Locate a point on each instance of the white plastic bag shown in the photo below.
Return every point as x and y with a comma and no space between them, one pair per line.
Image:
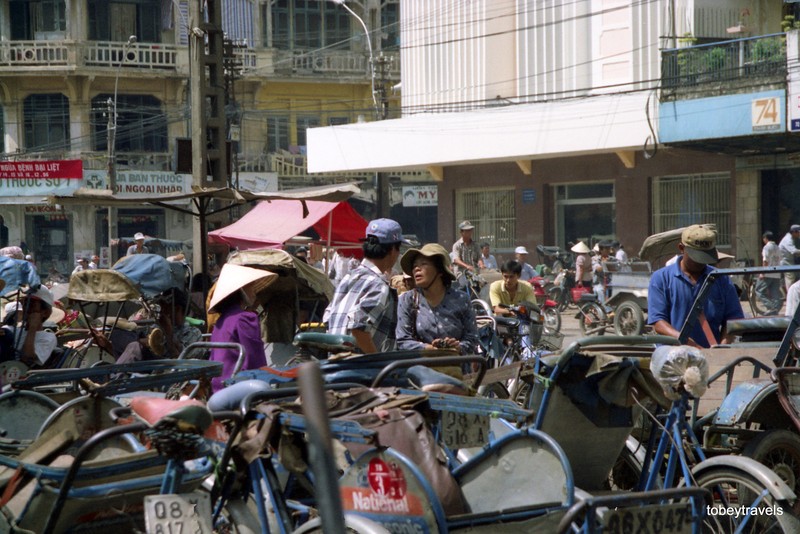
680,368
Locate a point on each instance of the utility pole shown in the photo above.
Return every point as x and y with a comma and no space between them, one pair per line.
380,70
209,155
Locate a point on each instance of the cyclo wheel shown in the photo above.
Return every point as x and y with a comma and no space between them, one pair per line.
592,317
780,451
731,487
628,319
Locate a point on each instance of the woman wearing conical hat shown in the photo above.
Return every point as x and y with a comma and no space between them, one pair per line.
583,264
235,300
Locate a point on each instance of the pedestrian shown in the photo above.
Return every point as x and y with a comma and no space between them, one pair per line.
434,315
620,253
138,247
489,261
510,290
673,289
599,271
466,252
24,337
301,254
528,272
768,285
235,299
583,267
81,265
95,263
364,305
789,253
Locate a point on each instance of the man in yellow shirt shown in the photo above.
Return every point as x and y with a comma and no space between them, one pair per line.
510,290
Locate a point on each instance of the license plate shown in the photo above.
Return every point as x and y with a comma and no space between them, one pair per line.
463,430
664,519
187,513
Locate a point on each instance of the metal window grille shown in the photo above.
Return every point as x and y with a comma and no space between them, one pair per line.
693,199
493,214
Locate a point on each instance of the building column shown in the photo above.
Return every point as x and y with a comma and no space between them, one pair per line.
747,226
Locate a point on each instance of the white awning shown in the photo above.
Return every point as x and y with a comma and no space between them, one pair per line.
591,125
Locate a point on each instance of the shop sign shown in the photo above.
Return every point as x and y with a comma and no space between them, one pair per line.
141,184
420,195
42,170
38,187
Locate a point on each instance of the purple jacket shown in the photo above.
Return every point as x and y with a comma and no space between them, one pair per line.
236,325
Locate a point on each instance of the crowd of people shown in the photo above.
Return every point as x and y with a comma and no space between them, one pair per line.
428,309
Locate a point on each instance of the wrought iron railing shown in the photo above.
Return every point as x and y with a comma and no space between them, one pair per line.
754,59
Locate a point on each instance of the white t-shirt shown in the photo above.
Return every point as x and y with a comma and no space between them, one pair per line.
44,344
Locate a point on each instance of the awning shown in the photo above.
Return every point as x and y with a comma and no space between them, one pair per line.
202,196
270,224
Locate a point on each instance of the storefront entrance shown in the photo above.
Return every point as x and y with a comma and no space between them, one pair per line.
49,239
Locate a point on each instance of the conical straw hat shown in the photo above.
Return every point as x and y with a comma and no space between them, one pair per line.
232,278
580,248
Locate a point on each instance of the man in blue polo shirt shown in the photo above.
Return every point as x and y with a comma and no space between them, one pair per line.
673,289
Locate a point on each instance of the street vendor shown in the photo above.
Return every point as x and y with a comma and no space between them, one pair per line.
673,289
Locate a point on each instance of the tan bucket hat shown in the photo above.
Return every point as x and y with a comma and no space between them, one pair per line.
232,278
431,250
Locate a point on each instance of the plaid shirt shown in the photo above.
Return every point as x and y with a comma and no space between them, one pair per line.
364,301
469,254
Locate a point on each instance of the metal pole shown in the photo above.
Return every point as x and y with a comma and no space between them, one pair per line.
112,150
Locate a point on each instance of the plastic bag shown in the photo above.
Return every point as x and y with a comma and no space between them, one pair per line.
680,368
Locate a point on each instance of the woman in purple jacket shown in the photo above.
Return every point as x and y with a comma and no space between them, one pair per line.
235,300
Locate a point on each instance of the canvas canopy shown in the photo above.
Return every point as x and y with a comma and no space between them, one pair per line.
152,273
270,224
16,273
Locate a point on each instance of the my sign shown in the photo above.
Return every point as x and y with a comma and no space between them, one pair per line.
420,195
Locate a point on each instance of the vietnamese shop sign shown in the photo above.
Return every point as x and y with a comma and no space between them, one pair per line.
37,178
133,184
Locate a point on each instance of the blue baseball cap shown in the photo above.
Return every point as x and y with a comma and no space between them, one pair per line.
387,231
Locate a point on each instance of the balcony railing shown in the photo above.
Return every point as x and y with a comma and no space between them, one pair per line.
35,53
330,62
759,60
142,55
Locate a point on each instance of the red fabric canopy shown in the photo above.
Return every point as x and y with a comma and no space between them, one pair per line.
271,223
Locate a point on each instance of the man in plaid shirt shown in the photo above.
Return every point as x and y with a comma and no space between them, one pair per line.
364,305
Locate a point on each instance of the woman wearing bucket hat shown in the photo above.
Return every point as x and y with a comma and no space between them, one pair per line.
234,298
434,314
583,265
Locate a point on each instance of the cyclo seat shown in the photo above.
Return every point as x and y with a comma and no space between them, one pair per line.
188,415
509,322
333,343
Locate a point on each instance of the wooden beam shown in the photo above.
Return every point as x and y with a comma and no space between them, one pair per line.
525,166
437,171
627,157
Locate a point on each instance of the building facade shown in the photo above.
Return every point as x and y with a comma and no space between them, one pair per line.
552,122
74,71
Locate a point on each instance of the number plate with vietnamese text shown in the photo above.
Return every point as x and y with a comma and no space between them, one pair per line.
187,513
464,430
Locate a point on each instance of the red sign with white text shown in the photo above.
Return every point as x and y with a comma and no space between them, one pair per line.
71,169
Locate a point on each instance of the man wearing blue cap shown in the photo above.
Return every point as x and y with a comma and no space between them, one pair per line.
364,305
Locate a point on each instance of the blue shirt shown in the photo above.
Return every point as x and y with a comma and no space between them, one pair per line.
671,294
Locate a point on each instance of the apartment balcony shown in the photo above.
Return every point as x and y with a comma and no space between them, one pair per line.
313,63
733,97
737,66
162,59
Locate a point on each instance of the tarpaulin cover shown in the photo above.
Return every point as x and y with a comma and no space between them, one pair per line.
152,273
16,273
270,224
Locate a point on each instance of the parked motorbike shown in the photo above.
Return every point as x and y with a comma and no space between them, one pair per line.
549,307
565,292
